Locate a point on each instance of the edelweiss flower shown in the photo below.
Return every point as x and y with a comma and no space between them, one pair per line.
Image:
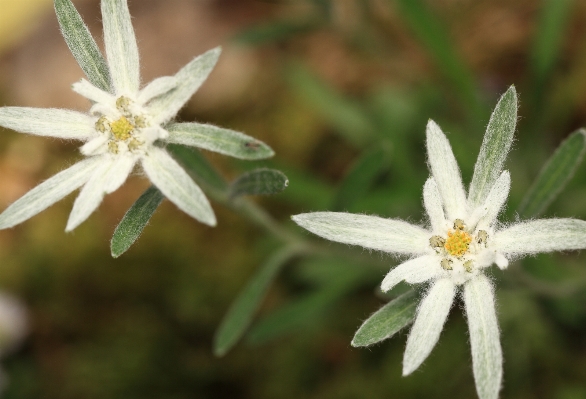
124,126
464,239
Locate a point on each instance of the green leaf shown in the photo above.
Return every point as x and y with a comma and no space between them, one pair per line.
309,308
217,139
135,220
554,176
82,45
323,270
308,190
495,147
276,31
546,48
359,179
388,320
198,166
435,37
240,314
347,116
259,182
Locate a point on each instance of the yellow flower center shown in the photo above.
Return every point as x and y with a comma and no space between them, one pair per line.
121,128
457,242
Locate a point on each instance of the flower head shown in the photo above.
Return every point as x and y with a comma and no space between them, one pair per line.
126,125
463,239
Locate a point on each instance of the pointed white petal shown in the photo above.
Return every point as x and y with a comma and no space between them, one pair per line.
119,172
177,186
92,93
156,88
108,176
95,146
432,201
445,171
487,357
429,322
413,271
495,147
542,235
189,79
50,122
121,47
371,232
48,192
495,200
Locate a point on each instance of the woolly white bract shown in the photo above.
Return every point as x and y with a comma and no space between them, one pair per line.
462,240
126,125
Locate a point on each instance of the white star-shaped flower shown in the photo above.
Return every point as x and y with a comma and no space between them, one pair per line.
126,124
463,239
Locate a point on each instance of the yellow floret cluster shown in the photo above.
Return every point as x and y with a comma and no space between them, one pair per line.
457,242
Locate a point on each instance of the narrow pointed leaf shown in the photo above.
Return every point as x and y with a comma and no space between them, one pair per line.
259,182
554,176
359,179
135,220
305,310
217,139
198,166
242,310
495,147
82,45
388,320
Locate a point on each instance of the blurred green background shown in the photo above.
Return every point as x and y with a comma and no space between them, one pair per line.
342,91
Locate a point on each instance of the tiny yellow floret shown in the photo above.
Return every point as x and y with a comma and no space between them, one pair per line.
457,242
121,128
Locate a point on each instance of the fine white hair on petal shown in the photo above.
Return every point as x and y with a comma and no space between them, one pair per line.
414,271
48,192
49,122
122,167
156,88
121,47
501,261
542,235
495,200
373,232
432,201
429,322
446,172
177,186
107,177
487,358
92,146
189,79
92,93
